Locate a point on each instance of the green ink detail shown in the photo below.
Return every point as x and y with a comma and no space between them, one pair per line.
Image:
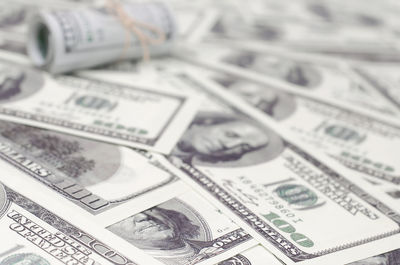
344,133
297,195
93,102
43,40
389,169
270,216
284,226
302,240
144,132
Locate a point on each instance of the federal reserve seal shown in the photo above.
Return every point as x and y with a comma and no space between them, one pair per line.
24,259
299,195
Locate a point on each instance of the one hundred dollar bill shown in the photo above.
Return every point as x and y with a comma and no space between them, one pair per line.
358,141
327,79
311,26
34,235
184,230
128,186
78,170
120,114
276,188
348,136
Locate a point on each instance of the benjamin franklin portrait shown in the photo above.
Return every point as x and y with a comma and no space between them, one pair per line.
168,231
273,102
296,73
224,140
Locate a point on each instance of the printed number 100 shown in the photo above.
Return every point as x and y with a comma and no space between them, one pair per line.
284,226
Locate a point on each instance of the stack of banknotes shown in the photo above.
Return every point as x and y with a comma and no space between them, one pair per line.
270,135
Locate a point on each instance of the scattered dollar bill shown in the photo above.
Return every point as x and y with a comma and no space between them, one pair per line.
128,115
360,142
326,79
278,190
129,186
357,141
34,235
198,152
313,26
280,149
345,135
184,230
100,178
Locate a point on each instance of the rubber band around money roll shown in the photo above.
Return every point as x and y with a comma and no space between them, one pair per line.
136,27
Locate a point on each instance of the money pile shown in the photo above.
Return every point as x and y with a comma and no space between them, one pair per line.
269,135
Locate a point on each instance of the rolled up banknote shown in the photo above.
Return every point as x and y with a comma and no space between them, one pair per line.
66,40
